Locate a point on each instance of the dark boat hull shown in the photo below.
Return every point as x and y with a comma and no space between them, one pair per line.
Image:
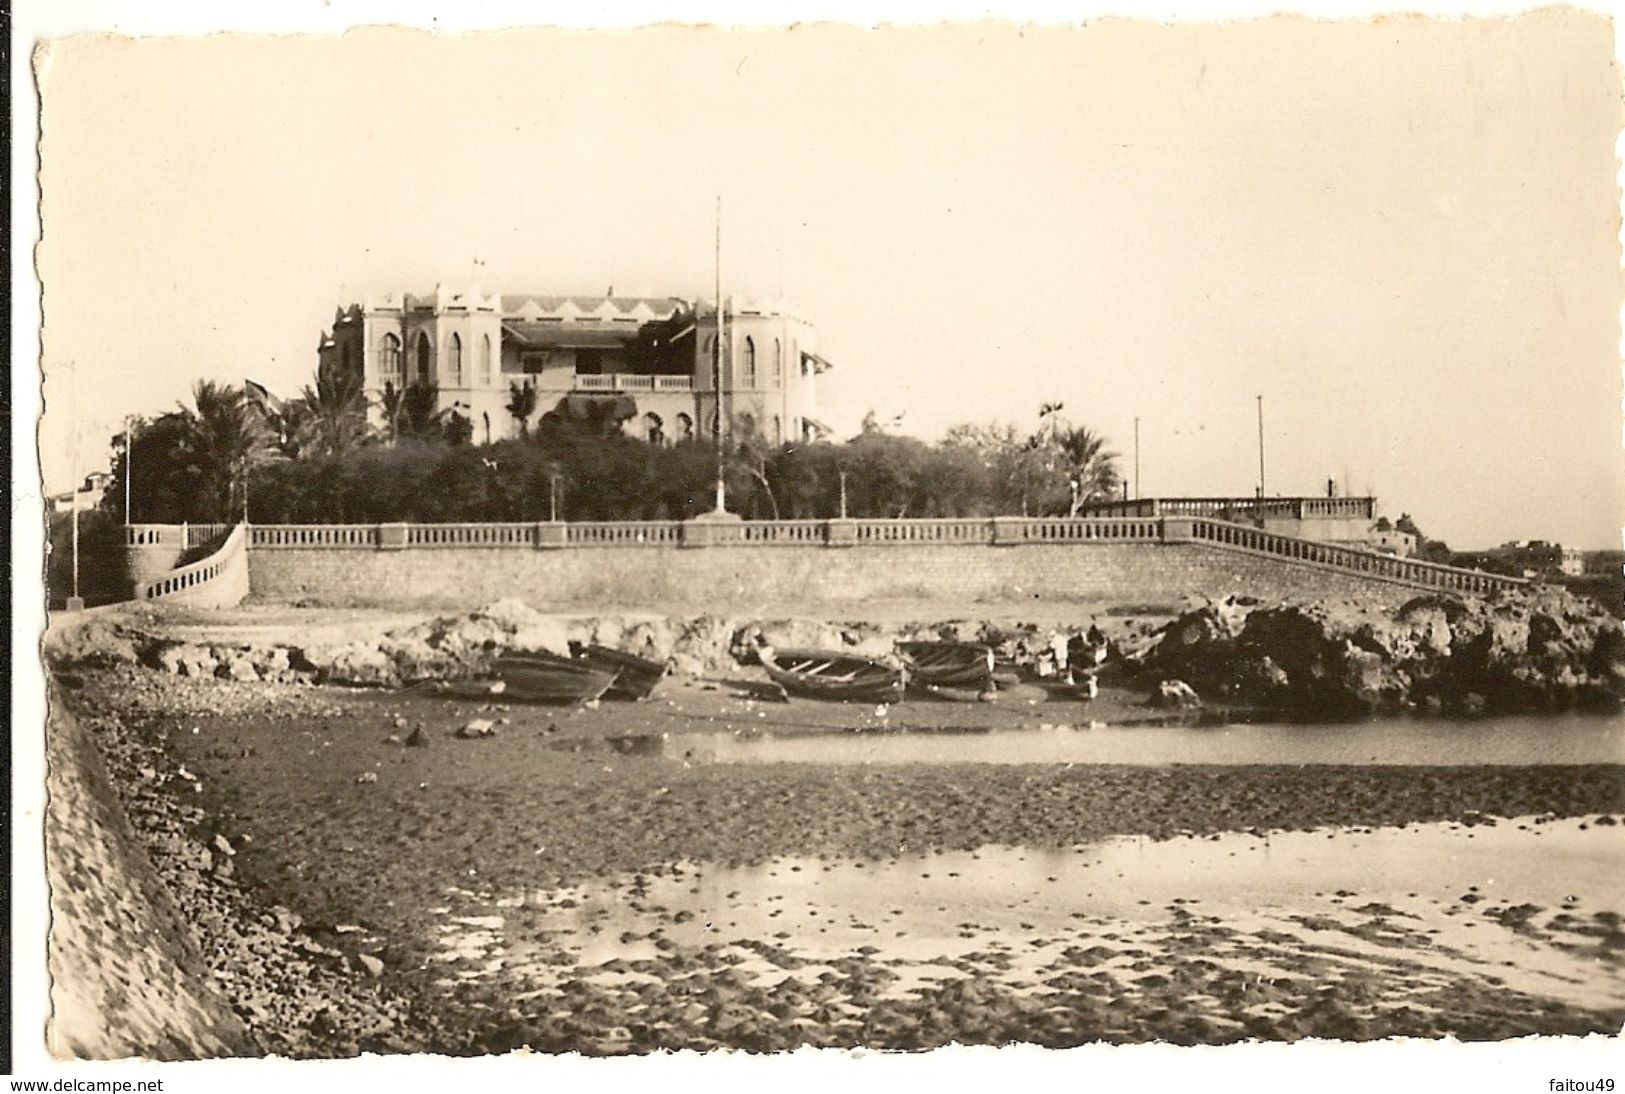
635,677
548,678
821,674
962,665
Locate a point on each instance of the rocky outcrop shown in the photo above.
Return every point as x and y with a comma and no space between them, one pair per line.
463,646
96,643
1538,650
1532,650
1175,695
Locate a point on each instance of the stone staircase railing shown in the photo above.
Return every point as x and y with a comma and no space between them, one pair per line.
218,581
1348,560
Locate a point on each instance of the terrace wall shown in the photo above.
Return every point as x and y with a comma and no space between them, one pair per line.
752,564
739,576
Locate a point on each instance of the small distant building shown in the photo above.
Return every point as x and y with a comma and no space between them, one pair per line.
89,494
649,362
1391,541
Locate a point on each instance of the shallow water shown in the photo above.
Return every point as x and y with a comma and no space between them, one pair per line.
1533,739
1530,903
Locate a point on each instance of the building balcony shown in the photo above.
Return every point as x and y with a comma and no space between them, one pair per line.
626,381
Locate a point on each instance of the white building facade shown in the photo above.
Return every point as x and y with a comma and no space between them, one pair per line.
649,363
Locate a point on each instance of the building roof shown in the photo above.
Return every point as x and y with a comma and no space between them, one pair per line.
557,335
660,306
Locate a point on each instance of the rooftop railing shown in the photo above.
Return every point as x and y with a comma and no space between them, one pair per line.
1250,508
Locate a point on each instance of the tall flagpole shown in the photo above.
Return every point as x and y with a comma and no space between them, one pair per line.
716,360
76,603
245,457
129,464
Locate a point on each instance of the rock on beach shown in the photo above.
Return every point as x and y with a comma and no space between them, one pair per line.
1538,650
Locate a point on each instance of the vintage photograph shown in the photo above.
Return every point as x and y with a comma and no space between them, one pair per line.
711,538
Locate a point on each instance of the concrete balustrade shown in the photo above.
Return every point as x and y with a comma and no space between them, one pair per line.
152,550
1146,551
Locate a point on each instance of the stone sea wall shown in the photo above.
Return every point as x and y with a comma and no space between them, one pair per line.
126,977
745,575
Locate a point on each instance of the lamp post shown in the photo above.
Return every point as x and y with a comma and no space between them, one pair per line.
843,494
553,497
1260,447
76,603
1136,458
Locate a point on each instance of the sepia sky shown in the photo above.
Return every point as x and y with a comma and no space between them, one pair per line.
1402,234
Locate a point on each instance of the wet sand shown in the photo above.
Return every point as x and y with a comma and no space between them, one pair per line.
920,950
334,816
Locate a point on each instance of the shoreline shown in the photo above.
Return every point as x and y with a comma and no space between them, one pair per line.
275,770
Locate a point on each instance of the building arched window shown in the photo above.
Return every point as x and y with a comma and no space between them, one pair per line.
654,429
685,427
389,361
778,362
777,436
454,363
425,355
750,362
482,378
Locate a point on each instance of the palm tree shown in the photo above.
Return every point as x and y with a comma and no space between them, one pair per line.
285,425
1091,467
1064,465
222,437
522,404
458,428
391,400
334,413
420,415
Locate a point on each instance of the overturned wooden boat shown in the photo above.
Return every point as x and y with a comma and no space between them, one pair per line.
541,677
635,677
824,674
963,666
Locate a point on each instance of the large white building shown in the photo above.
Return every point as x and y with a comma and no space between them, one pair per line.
648,362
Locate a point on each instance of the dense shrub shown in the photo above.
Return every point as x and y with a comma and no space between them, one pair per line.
102,574
196,464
